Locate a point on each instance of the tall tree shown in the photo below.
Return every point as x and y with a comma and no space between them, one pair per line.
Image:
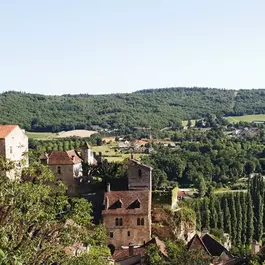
233,218
244,217
227,218
238,206
250,217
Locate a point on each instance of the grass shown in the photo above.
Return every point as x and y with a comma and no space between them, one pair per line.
226,190
108,152
185,123
247,118
41,135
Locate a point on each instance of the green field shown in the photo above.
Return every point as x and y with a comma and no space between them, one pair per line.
185,123
41,135
108,152
247,118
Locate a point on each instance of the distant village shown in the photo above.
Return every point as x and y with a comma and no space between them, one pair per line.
125,213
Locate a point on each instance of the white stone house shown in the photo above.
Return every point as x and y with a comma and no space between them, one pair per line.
14,147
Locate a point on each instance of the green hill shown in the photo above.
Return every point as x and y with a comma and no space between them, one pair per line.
154,107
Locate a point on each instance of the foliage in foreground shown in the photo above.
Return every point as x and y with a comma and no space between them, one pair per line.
38,223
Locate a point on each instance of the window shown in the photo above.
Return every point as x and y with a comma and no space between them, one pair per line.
10,150
139,173
140,221
59,170
129,233
111,234
118,222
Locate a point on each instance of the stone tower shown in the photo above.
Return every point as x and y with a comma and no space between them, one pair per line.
139,176
87,154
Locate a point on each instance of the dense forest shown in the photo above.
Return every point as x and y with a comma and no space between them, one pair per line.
158,108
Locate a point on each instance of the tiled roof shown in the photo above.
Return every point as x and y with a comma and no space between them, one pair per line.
139,163
197,244
128,197
213,246
121,254
5,130
161,245
64,158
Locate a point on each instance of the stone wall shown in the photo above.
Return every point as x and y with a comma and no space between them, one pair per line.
138,234
139,176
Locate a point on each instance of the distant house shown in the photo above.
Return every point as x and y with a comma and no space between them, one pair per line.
214,250
14,147
67,165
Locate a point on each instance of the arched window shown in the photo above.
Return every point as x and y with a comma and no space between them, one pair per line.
59,170
142,221
117,222
121,222
138,221
140,173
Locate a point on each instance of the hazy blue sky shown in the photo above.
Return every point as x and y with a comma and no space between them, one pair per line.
83,46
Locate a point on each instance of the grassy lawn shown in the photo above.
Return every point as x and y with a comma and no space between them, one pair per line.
247,118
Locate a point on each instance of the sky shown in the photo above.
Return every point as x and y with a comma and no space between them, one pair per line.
113,46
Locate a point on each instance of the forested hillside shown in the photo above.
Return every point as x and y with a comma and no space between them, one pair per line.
155,107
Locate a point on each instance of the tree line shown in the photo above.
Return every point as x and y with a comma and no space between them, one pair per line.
157,108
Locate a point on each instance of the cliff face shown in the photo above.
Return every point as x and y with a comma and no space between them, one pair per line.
168,224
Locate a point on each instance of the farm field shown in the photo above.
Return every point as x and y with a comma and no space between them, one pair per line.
108,152
50,136
247,118
185,123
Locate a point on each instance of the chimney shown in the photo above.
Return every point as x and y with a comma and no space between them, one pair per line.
108,187
94,154
131,248
255,247
100,154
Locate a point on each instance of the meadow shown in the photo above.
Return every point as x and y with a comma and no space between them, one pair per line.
246,118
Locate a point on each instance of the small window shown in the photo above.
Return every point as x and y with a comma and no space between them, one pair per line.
59,170
138,221
142,221
129,233
140,173
10,150
111,234
118,222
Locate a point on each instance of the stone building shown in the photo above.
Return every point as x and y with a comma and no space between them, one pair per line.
139,176
127,217
127,213
14,147
66,166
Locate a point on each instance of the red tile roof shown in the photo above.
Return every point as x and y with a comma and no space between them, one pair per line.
5,130
63,158
128,197
121,254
